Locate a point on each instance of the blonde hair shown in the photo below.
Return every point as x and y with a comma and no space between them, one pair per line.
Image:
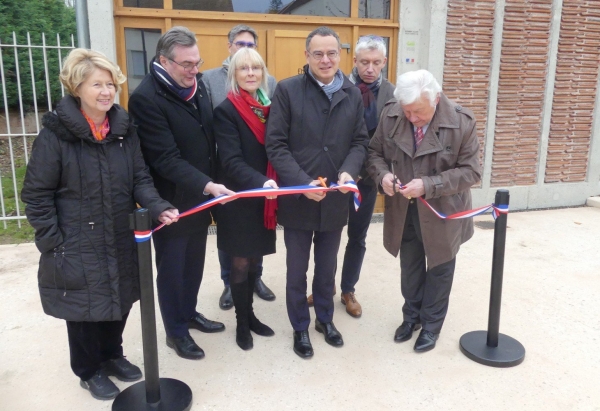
249,56
80,63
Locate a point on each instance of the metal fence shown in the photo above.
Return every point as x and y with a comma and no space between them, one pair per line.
33,69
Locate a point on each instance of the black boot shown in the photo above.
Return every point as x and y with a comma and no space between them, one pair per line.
255,325
239,292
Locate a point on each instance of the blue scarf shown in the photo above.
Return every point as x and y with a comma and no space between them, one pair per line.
329,89
159,73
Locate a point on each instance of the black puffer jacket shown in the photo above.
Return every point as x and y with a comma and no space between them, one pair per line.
79,193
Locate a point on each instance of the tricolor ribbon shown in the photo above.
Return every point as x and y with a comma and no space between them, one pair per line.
141,236
496,210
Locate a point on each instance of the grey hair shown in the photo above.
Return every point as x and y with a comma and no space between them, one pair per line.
239,29
411,86
322,31
176,36
250,57
370,43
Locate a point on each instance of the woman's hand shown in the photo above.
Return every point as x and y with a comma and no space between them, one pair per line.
169,216
272,184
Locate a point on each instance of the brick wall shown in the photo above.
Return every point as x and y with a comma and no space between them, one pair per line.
574,91
468,57
523,73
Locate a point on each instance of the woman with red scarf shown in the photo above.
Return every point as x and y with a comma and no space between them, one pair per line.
246,227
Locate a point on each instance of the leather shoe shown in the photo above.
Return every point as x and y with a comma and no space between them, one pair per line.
310,300
352,306
100,386
263,291
302,345
122,369
226,302
405,331
332,335
426,341
185,347
201,323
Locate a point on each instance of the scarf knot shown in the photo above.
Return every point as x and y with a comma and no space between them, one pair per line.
185,93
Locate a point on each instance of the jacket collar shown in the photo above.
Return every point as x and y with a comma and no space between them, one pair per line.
338,95
445,117
68,123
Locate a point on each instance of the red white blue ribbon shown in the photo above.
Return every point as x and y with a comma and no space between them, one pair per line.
257,192
496,210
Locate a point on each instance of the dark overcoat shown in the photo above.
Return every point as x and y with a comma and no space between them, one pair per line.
309,136
178,145
448,163
79,193
243,165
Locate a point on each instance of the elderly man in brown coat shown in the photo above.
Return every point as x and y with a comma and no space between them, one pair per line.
425,146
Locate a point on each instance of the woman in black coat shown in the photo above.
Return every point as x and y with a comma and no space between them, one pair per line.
85,175
245,227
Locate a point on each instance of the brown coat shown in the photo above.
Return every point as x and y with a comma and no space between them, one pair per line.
448,163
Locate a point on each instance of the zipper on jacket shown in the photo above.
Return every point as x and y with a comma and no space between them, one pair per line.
120,141
91,224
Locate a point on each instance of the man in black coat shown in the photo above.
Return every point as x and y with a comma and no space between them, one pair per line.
174,118
315,129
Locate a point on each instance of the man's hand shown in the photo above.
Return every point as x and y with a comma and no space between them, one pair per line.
344,178
169,216
387,183
218,189
413,189
272,184
317,196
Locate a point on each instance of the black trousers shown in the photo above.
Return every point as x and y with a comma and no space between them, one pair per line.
91,343
426,291
180,266
358,224
298,245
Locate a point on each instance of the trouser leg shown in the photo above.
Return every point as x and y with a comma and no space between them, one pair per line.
436,295
111,338
298,244
358,225
180,265
412,267
327,245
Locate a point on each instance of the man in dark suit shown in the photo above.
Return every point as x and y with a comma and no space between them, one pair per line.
174,118
315,130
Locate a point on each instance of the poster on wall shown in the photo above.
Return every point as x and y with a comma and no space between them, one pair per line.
410,47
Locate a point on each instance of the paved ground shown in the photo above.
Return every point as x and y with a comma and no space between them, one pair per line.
550,304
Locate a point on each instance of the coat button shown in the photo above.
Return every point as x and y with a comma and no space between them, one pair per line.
325,111
412,201
325,148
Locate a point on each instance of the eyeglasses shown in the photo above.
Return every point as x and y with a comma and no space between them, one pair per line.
318,55
246,69
240,44
187,66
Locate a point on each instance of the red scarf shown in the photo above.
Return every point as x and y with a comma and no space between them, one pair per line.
255,116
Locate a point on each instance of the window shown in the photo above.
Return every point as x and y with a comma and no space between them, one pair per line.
330,8
150,4
374,9
140,47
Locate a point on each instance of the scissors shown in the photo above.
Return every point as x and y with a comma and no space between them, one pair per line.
322,180
396,181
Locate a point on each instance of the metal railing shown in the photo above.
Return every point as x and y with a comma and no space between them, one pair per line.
20,136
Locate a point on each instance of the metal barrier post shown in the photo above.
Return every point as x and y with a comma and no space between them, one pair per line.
156,394
492,348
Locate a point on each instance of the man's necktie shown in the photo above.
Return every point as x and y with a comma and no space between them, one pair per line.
418,136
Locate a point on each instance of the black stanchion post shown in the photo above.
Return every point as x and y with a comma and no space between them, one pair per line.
156,394
492,348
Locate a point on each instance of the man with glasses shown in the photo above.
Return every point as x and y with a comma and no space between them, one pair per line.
315,134
172,111
369,60
216,84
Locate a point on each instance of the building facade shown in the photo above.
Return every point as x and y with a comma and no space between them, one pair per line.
529,69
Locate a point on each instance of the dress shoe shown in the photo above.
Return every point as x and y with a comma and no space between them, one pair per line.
185,347
310,300
262,290
302,345
122,369
100,386
405,331
226,302
425,341
201,323
352,306
332,335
